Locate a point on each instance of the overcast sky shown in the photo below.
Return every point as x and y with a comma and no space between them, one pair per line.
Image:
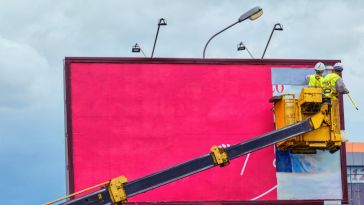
36,35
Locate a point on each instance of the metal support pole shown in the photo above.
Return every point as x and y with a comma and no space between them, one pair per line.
266,46
276,27
204,50
143,53
249,52
155,40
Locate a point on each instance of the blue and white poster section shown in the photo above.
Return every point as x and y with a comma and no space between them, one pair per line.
304,176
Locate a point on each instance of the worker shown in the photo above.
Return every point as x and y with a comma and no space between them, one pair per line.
316,80
333,84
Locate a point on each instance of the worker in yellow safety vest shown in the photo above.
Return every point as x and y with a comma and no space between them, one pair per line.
316,80
333,84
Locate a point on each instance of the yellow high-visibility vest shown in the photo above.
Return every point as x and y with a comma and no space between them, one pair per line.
329,84
315,81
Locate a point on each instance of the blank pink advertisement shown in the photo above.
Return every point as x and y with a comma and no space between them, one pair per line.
136,119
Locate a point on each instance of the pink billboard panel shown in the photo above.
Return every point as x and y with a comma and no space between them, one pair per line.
135,118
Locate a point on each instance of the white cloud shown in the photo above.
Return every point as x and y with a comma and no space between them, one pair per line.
23,78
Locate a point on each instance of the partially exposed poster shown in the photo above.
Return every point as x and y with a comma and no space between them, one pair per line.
304,176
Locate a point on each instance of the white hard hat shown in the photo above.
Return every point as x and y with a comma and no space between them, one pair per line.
319,66
338,67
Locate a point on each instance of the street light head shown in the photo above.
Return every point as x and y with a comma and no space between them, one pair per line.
252,14
162,22
136,48
256,15
278,27
241,46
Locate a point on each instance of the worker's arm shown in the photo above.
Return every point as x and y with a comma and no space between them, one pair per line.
340,87
307,78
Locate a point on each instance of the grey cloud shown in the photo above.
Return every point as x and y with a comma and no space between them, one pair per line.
21,71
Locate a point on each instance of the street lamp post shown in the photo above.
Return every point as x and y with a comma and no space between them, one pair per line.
137,49
276,27
252,14
162,22
242,47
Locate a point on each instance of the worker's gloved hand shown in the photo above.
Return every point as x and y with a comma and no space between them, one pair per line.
224,146
344,136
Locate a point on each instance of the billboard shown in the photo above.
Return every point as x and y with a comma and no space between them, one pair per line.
133,117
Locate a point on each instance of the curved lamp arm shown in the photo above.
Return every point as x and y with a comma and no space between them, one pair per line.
252,14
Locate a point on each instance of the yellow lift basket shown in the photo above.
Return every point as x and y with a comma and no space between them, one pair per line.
322,111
